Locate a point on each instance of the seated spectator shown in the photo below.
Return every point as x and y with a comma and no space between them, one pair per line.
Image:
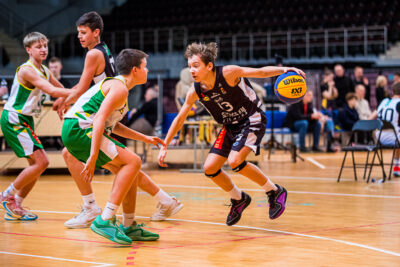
329,92
145,124
389,110
381,91
343,84
302,118
362,105
348,115
360,79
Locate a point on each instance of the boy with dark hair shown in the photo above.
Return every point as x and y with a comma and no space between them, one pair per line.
85,133
31,80
228,96
348,115
99,64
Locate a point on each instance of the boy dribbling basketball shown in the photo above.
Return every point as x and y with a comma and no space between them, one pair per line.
229,98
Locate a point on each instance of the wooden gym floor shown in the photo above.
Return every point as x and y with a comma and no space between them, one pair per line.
325,223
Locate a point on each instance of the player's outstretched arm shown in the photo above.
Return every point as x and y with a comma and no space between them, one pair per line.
127,132
233,73
27,74
115,98
177,124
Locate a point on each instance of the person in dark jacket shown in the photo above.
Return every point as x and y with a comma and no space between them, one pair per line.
343,84
348,115
145,124
302,119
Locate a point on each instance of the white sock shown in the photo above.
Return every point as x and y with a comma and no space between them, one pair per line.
89,200
163,197
235,193
10,191
127,219
109,211
396,162
268,186
18,199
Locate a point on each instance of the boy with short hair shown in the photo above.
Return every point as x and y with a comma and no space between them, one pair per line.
31,80
86,134
228,96
99,64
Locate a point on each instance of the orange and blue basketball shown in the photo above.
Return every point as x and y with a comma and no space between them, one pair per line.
290,87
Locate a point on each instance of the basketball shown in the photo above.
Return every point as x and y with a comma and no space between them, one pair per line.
290,87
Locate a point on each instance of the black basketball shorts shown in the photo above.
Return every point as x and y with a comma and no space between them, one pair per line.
246,133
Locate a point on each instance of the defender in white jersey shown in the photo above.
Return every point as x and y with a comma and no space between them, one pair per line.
99,64
31,81
86,132
389,110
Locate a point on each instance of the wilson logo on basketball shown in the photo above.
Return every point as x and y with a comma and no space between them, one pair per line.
292,80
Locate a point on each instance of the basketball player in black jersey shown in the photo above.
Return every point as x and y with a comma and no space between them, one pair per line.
229,98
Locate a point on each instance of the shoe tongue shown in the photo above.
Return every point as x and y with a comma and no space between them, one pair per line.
271,193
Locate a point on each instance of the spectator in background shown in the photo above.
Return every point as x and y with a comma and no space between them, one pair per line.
329,92
343,84
362,105
348,115
360,79
396,77
145,124
302,118
55,67
381,91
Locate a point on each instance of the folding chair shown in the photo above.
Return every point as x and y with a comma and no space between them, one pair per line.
367,127
387,126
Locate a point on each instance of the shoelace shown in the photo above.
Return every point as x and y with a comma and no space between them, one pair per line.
83,211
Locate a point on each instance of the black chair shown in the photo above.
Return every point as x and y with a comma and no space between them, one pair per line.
367,144
387,126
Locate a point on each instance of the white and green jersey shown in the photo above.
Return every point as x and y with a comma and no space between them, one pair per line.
24,100
89,103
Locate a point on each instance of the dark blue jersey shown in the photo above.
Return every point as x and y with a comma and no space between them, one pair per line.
229,105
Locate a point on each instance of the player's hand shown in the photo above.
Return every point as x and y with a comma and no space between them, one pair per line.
298,71
154,140
88,170
57,103
161,156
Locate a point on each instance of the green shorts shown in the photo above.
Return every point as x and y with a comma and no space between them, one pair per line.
78,142
19,133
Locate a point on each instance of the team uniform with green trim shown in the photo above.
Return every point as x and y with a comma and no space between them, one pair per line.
78,126
17,117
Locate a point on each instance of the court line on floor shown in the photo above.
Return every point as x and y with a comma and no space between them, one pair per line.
316,163
274,231
98,264
293,192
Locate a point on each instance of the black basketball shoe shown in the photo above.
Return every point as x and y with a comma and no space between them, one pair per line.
237,208
277,200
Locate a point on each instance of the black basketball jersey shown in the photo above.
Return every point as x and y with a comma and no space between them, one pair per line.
109,68
229,105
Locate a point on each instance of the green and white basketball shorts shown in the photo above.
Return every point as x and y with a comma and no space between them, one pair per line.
18,130
78,142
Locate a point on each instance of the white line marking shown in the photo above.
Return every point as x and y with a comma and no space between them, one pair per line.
316,163
293,192
271,230
98,264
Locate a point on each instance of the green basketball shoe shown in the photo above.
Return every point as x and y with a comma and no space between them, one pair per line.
110,230
137,233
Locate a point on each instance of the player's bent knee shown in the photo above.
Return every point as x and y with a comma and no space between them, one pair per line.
238,168
212,175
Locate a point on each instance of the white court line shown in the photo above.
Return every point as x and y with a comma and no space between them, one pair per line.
97,264
271,230
316,163
293,192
